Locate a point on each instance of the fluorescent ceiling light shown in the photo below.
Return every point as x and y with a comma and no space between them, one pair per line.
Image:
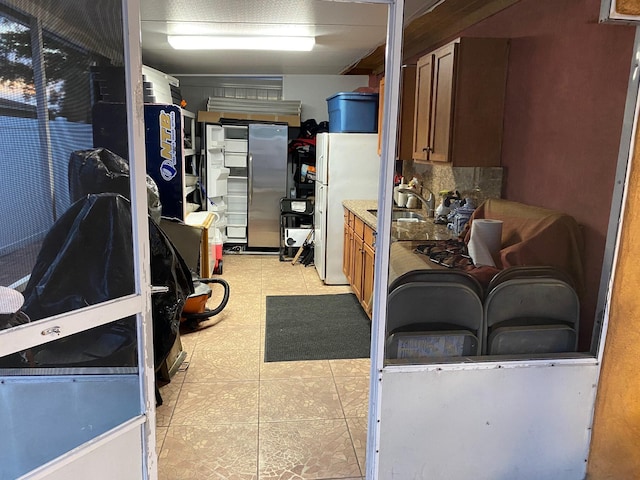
214,42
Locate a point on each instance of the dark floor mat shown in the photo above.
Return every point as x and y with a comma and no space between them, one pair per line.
316,327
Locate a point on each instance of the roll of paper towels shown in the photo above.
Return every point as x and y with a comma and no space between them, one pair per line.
485,241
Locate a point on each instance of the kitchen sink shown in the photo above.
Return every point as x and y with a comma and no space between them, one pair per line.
401,214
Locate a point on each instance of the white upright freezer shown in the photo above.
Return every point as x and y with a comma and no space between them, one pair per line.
347,168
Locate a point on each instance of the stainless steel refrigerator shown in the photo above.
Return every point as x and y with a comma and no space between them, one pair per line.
267,183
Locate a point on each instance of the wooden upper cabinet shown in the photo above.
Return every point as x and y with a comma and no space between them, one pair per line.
407,108
441,103
404,150
422,108
460,91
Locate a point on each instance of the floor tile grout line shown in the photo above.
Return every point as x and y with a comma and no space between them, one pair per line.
307,420
259,429
201,344
353,445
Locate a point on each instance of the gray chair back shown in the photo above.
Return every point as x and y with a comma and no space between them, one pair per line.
531,315
426,306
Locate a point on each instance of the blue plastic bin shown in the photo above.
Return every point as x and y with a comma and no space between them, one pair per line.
353,112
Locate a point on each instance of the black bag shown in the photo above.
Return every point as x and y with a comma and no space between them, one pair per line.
98,170
308,128
87,258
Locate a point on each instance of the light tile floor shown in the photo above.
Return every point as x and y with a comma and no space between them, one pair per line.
231,416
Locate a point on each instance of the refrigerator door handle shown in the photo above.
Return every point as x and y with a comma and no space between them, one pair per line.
250,179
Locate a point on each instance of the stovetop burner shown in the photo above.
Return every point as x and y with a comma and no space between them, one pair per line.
449,253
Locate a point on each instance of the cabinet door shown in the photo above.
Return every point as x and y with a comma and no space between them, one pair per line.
404,147
442,103
421,123
367,277
347,253
407,113
356,281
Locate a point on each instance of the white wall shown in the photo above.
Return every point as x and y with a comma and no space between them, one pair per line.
313,91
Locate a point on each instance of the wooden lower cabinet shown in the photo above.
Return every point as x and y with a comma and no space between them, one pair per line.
358,260
368,259
347,259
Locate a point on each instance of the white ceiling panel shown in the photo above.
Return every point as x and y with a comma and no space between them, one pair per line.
344,32
265,11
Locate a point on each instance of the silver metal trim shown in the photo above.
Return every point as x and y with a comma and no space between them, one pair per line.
393,62
47,469
618,203
250,175
67,371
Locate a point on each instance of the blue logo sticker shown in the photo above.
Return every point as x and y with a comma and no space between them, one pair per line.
168,170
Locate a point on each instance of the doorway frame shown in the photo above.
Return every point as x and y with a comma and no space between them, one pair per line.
138,431
392,448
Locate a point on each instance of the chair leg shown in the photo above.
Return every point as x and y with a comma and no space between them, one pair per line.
158,396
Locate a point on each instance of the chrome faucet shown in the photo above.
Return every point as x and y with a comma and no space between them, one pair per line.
429,203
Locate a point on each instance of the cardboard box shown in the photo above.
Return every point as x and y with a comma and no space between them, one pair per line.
203,220
214,117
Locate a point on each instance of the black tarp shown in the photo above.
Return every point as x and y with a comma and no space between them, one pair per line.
98,170
87,258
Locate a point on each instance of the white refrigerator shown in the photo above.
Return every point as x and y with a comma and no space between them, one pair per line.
347,168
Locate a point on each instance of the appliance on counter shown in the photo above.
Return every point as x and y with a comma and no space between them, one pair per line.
251,161
347,168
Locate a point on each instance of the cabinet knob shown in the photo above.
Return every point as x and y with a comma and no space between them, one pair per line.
427,149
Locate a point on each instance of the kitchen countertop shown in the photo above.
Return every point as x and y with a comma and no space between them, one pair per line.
406,236
400,231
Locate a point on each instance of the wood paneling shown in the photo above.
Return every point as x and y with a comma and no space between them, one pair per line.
628,7
432,30
616,430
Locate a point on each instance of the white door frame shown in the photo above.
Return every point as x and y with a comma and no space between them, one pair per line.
139,303
471,420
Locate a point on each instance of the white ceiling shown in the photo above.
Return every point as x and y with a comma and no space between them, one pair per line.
345,32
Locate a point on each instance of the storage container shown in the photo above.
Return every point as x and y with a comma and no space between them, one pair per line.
237,219
233,159
353,112
236,232
236,132
237,186
236,146
237,203
295,237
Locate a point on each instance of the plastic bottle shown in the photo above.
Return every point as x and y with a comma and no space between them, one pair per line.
431,205
217,247
402,197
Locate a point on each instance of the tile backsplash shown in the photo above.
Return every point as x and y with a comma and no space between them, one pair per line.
477,182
